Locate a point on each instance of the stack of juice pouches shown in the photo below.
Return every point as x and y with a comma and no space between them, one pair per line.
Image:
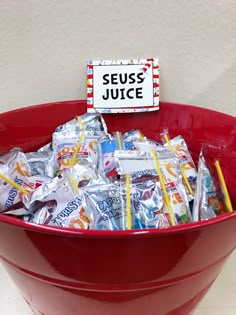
211,198
87,178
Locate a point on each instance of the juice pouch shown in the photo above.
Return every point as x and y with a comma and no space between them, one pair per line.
85,174
17,210
147,145
14,165
130,137
186,163
57,203
16,162
106,205
139,164
66,146
210,200
205,191
174,187
107,147
47,149
94,124
40,163
9,194
227,158
220,168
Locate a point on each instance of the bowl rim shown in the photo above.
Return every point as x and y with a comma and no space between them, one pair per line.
64,231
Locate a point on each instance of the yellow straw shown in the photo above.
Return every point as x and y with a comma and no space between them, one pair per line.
140,134
18,187
118,136
186,181
128,201
73,161
166,197
74,183
81,123
172,150
223,186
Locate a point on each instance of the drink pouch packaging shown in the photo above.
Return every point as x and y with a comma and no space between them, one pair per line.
130,137
107,165
47,149
226,156
186,163
40,163
10,195
147,145
14,166
94,124
65,147
86,174
27,164
57,203
17,210
205,191
209,201
16,162
106,205
14,205
107,147
139,164
135,140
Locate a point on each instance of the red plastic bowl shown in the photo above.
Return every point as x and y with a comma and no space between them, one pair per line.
70,272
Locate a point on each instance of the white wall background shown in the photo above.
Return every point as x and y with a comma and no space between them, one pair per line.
45,44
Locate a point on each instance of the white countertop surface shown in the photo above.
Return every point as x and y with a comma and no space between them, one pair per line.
220,299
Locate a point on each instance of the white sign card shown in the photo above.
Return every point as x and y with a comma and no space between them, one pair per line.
120,86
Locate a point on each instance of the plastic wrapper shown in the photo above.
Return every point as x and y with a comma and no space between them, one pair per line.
17,210
16,162
205,189
65,146
206,202
130,137
40,163
57,203
209,198
147,145
94,124
86,174
109,144
227,158
10,195
14,165
107,164
106,205
186,163
47,149
140,164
